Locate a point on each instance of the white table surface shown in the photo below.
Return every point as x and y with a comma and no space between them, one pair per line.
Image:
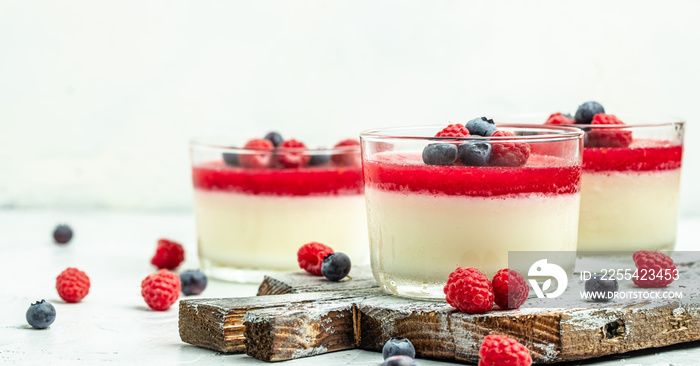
113,325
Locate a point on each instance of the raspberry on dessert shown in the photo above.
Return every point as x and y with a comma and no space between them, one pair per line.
599,289
274,137
260,158
512,154
481,126
440,154
292,154
586,111
169,254
453,130
469,290
41,314
559,119
62,234
350,156
607,137
311,255
474,153
72,285
499,350
336,266
654,269
510,289
160,290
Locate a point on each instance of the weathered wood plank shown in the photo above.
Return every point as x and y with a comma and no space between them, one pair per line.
299,282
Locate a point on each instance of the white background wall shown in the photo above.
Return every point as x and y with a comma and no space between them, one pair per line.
98,100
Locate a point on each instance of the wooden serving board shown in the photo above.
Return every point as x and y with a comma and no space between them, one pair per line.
297,315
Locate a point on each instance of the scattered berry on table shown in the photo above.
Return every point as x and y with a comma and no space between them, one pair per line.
586,111
169,254
351,154
398,346
454,130
481,126
469,290
474,153
258,154
72,285
399,361
512,154
310,257
41,314
193,282
336,266
510,289
599,289
62,234
319,159
160,290
654,269
440,154
292,154
274,137
559,119
230,158
499,350
607,137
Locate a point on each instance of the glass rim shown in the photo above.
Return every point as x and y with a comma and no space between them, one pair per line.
673,120
558,133
206,142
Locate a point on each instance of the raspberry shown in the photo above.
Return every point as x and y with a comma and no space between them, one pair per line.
512,154
260,158
608,137
350,155
72,285
510,289
499,350
559,119
160,290
454,130
169,254
292,154
654,269
311,255
469,290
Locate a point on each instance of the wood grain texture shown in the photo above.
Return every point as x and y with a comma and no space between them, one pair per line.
299,282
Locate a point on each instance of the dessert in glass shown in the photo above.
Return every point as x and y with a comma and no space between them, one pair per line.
631,179
438,199
256,204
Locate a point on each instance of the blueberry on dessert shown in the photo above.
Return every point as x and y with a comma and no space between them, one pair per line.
230,158
62,234
336,266
440,154
481,126
41,314
274,137
399,361
193,282
396,346
319,159
586,111
599,289
474,153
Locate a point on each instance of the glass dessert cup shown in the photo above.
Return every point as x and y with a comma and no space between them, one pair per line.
629,194
251,221
426,220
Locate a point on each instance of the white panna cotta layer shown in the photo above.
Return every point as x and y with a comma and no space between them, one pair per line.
266,231
629,210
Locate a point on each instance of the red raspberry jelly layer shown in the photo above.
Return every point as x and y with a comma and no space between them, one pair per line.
217,176
641,155
406,173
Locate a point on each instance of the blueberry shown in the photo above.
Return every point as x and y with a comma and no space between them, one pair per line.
440,154
41,314
481,126
193,282
586,111
475,153
319,159
274,137
398,346
599,289
399,361
336,266
230,158
62,234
